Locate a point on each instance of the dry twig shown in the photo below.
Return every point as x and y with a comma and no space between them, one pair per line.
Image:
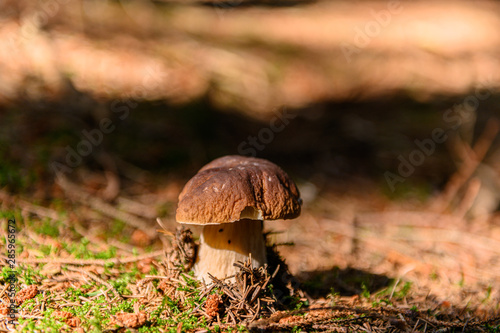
469,164
95,278
83,262
103,207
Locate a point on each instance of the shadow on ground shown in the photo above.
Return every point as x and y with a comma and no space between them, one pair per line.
322,143
233,4
344,282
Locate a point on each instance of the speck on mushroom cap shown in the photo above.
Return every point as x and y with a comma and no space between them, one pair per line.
234,187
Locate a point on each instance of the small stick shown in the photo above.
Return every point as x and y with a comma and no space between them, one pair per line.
35,209
102,206
468,167
95,278
255,294
470,196
83,262
232,316
257,311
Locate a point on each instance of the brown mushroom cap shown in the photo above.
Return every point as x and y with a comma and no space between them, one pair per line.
231,188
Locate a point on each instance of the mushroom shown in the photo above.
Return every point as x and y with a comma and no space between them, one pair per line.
230,197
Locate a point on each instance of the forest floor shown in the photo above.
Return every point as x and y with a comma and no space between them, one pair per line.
353,261
171,86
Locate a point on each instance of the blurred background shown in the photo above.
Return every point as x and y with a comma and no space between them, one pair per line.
384,112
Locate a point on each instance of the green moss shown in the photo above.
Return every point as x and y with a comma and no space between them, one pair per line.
47,324
48,227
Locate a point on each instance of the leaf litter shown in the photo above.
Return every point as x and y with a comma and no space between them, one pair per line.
156,292
258,299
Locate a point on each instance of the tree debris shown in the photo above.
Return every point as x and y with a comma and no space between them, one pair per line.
26,294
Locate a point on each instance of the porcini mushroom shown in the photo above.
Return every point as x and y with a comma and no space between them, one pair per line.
231,197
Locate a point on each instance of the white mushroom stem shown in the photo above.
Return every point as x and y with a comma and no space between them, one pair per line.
222,245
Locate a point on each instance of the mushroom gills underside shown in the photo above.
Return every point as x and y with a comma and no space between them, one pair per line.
251,213
222,245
